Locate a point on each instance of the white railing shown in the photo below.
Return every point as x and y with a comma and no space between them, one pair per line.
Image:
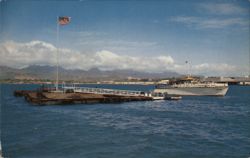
104,91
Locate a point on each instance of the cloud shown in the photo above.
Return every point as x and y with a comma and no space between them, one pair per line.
156,21
20,55
210,69
222,8
207,68
216,16
116,43
84,34
3,1
211,23
38,52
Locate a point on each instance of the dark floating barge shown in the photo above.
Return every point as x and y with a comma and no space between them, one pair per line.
60,98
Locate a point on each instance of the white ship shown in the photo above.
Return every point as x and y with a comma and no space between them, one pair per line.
192,87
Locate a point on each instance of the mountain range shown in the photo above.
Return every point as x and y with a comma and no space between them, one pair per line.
49,72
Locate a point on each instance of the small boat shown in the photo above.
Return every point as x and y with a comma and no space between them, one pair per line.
173,97
158,96
164,96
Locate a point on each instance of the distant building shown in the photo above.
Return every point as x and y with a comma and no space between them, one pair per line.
163,82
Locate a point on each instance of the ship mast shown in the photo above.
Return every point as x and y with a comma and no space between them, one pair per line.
188,64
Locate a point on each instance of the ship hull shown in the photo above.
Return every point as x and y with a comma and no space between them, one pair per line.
194,91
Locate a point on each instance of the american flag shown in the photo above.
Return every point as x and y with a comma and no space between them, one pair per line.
63,20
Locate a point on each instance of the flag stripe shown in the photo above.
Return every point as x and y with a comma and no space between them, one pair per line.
63,20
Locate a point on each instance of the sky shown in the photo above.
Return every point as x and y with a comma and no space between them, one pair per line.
143,35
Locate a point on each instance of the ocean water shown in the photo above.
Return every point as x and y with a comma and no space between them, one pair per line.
192,127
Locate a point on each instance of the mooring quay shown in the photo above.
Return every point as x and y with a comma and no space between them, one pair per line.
81,95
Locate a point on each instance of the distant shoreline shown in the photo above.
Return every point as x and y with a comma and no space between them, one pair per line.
133,81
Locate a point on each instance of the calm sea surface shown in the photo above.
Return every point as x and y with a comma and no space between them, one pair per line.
192,127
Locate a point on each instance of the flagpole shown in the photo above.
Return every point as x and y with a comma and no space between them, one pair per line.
189,69
57,43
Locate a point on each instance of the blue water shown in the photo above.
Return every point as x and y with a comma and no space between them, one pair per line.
192,127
